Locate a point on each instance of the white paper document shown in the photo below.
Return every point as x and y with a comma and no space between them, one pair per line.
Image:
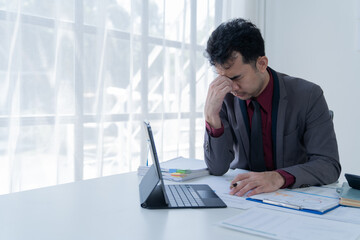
312,199
221,185
342,214
237,202
282,225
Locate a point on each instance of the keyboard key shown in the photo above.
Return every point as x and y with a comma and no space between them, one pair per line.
183,195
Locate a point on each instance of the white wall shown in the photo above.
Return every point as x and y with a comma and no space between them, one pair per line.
319,40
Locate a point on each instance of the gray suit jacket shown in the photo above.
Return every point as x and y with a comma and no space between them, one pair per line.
304,141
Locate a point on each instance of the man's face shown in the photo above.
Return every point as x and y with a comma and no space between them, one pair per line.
247,82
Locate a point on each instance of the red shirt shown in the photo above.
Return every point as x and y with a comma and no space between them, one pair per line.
265,101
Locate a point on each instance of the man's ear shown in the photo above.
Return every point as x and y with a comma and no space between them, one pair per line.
262,63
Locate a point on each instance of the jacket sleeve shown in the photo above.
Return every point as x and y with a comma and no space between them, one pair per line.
218,152
316,136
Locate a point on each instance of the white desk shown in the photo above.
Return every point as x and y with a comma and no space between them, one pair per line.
104,208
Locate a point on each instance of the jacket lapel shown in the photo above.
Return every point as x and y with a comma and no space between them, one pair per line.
280,121
242,124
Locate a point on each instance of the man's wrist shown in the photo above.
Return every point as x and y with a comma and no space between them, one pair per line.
214,132
289,178
282,180
214,122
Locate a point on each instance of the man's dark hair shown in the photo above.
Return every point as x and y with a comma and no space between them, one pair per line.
235,35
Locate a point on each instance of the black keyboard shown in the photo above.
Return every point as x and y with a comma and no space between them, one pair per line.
183,196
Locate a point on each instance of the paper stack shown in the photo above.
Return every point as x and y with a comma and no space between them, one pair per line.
179,169
349,196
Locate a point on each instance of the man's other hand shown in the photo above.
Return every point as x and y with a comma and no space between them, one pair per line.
258,182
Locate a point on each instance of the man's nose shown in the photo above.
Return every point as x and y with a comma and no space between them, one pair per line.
234,86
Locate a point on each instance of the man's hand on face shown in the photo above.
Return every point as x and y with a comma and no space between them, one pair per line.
218,89
258,182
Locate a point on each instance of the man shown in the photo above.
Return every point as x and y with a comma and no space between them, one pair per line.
293,143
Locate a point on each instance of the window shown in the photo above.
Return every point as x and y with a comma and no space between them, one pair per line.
78,78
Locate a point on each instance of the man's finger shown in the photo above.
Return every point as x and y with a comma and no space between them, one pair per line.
240,177
239,187
248,187
256,190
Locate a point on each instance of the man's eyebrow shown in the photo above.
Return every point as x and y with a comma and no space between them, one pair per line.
234,77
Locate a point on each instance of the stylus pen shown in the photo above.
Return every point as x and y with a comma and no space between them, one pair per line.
281,204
